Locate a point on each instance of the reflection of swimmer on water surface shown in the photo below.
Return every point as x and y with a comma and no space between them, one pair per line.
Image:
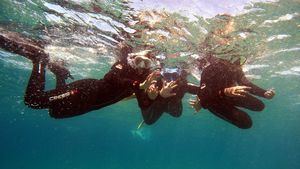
226,41
81,96
220,94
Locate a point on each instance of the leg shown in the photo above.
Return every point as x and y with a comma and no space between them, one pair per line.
152,113
231,114
151,117
34,96
249,102
16,43
62,102
174,108
72,100
60,71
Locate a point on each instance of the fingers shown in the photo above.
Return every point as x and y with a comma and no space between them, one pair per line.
174,86
239,95
172,94
192,101
164,83
242,92
171,85
191,104
243,87
152,76
239,91
169,95
269,94
272,90
149,76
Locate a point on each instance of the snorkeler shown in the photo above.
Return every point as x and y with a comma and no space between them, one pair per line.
220,94
82,96
164,94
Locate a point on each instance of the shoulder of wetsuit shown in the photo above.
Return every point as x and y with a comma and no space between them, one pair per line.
115,64
120,65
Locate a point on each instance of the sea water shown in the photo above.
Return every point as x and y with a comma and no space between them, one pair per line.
79,32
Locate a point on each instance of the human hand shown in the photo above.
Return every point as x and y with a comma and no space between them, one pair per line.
237,91
167,88
195,104
152,76
269,94
152,91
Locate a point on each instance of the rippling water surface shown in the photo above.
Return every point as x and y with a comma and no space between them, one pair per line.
85,33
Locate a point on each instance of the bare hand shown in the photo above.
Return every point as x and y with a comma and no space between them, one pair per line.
237,91
167,88
149,80
195,104
152,91
269,94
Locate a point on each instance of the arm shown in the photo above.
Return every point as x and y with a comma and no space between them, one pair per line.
130,97
242,80
114,77
192,88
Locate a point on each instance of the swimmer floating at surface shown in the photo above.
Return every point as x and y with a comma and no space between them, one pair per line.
81,96
220,94
164,94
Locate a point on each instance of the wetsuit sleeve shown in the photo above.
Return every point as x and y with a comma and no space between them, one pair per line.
116,78
192,89
242,80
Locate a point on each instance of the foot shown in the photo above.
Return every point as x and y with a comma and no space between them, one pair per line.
59,69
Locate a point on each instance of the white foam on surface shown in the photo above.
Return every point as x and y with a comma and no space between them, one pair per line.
278,37
296,69
257,77
286,17
287,50
246,68
288,72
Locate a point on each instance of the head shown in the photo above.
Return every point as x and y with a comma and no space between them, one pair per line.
140,61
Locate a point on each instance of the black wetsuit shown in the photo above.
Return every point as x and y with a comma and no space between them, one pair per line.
153,109
221,74
81,96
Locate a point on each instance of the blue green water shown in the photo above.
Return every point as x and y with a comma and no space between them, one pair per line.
108,138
